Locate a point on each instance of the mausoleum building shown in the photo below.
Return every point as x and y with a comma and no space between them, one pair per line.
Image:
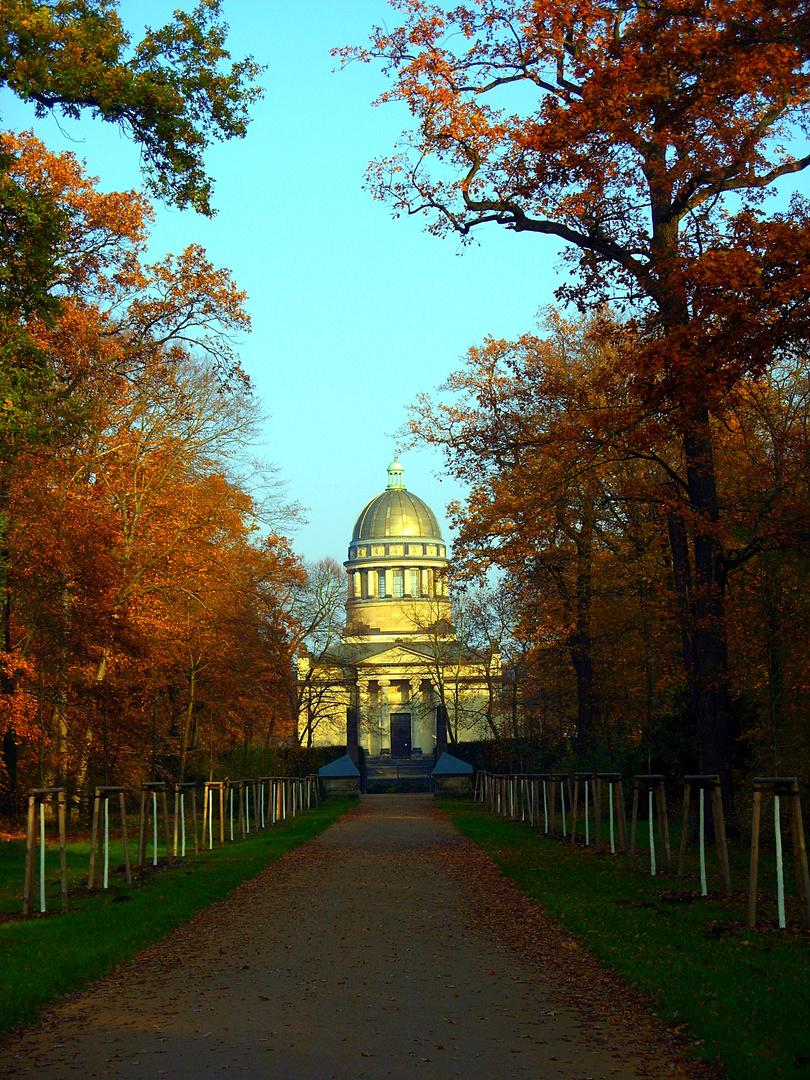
399,658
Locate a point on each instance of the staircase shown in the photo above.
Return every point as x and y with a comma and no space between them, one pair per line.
390,775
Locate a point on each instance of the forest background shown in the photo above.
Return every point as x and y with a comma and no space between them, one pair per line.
637,469
637,466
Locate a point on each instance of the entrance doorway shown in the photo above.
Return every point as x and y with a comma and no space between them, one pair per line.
400,735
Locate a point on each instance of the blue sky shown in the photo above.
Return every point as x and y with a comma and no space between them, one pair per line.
354,313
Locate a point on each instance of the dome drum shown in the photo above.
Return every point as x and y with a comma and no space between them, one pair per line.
370,553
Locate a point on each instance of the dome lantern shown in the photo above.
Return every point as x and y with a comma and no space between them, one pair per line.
396,475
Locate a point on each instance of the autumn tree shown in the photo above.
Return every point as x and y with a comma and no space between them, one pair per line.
763,456
555,506
129,529
317,610
150,606
174,92
644,137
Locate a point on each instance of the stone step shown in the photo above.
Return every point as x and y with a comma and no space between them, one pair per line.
391,769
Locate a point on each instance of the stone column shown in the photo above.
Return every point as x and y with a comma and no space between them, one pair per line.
364,714
428,713
389,582
385,715
416,713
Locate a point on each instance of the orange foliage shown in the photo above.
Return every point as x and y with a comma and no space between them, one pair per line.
645,137
149,619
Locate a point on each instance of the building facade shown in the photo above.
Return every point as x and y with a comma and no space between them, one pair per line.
399,658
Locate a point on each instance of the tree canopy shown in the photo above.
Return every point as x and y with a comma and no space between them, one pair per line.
645,136
173,92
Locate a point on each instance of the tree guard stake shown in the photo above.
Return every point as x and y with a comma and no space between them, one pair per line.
702,842
706,783
654,786
589,781
610,785
100,835
42,856
562,806
778,786
154,829
106,875
37,797
780,876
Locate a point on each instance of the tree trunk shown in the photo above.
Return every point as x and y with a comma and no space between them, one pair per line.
701,599
189,717
775,650
581,644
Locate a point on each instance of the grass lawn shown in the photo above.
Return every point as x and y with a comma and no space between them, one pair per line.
744,993
49,955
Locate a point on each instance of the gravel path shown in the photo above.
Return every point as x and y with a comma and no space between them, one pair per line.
361,955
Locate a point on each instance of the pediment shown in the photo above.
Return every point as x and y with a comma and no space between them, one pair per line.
397,656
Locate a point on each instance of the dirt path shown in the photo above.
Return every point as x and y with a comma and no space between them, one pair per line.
358,956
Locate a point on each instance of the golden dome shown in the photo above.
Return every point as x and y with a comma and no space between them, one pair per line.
396,513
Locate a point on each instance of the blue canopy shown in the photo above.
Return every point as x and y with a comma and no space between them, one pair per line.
340,767
447,765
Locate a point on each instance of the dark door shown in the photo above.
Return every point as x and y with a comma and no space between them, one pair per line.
400,734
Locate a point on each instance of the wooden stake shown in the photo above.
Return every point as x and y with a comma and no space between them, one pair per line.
167,827
91,876
28,880
663,824
633,823
142,827
684,838
721,843
754,867
122,803
621,813
62,847
800,849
